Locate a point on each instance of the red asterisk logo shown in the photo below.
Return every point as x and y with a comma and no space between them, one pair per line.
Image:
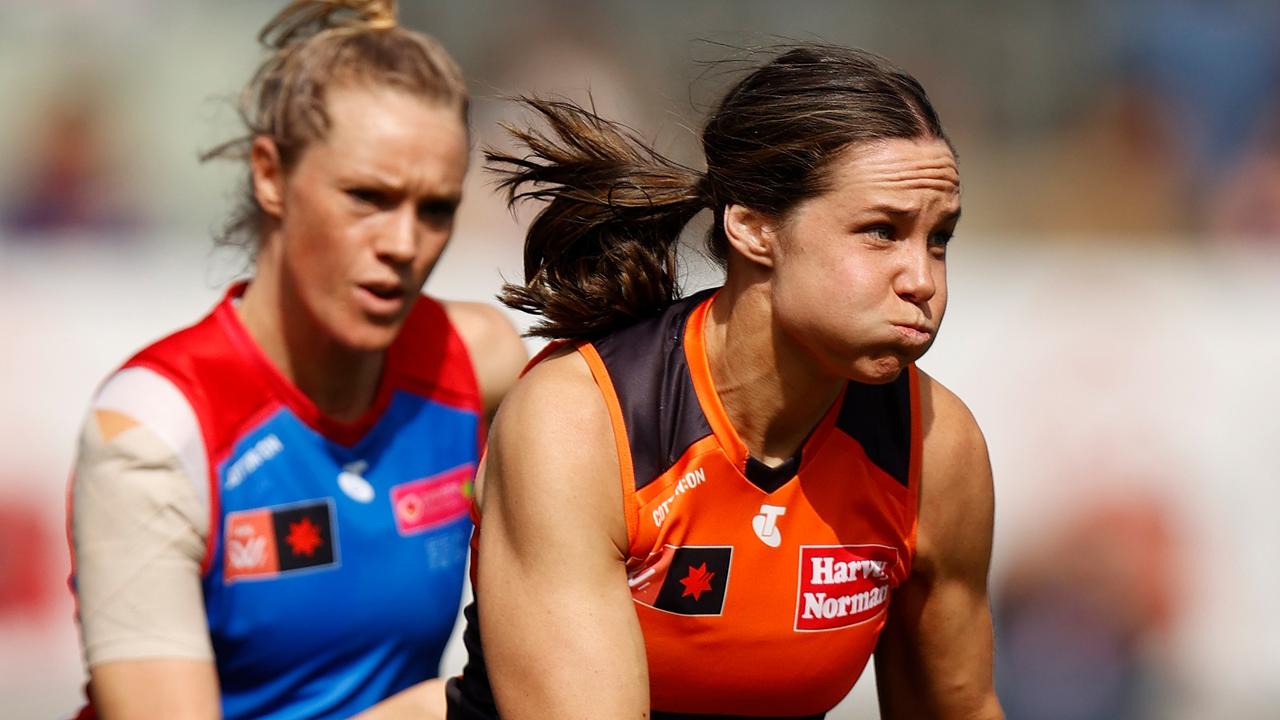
304,537
697,582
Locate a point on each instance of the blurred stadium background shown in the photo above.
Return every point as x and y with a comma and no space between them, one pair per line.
1112,285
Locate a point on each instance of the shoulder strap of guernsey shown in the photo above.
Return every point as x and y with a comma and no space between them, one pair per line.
645,368
429,355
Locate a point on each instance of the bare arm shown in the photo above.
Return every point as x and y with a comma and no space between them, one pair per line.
138,544
934,658
424,701
497,353
559,629
161,688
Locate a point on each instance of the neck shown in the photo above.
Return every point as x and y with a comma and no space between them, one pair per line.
772,391
342,383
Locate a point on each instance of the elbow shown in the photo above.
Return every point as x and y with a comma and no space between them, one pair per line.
986,707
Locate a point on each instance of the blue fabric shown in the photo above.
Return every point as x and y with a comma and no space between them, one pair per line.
359,610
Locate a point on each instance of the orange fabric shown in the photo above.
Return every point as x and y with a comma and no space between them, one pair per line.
601,376
547,351
758,603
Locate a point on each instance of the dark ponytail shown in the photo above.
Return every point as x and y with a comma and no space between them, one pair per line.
602,253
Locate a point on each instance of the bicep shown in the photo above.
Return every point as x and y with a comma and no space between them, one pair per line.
935,654
559,630
138,537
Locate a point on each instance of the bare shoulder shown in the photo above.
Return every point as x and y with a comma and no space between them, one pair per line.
956,495
551,448
479,322
950,430
496,350
557,400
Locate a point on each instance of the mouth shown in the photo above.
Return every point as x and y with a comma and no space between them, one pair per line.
382,299
913,333
384,291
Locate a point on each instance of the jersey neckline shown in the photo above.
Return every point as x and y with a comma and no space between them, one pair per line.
343,432
735,449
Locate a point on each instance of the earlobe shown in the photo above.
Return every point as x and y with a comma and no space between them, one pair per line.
268,175
750,233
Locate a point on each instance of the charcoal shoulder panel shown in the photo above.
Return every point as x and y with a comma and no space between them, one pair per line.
879,418
650,375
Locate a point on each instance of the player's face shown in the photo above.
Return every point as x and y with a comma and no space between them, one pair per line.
860,275
367,211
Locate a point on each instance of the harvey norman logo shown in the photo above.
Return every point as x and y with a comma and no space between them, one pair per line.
842,585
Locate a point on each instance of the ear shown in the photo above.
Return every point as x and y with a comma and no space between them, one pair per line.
268,175
751,233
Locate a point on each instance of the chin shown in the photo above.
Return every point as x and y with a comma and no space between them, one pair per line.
878,370
366,337
879,376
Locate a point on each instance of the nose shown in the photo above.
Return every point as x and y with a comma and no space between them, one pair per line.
915,280
397,241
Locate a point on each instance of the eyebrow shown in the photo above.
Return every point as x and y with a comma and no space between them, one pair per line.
383,184
372,179
911,213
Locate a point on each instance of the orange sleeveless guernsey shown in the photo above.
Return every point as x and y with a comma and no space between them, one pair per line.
752,603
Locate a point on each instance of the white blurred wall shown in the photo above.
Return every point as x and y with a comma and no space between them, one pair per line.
1146,373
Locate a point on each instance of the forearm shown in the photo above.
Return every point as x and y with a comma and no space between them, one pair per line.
575,654
424,701
559,629
159,689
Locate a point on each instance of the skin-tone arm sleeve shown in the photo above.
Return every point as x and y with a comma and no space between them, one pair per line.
139,525
560,632
139,519
934,658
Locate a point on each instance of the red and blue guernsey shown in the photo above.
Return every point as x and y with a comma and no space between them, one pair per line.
336,551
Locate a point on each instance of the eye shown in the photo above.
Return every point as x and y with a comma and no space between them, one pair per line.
366,196
938,243
437,212
880,232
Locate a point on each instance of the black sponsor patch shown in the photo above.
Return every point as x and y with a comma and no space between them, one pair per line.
304,536
695,581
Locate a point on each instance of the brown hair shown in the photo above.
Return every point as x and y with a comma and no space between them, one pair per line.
315,45
601,254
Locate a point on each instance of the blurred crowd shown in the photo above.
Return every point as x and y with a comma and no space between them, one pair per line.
1133,125
1134,119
